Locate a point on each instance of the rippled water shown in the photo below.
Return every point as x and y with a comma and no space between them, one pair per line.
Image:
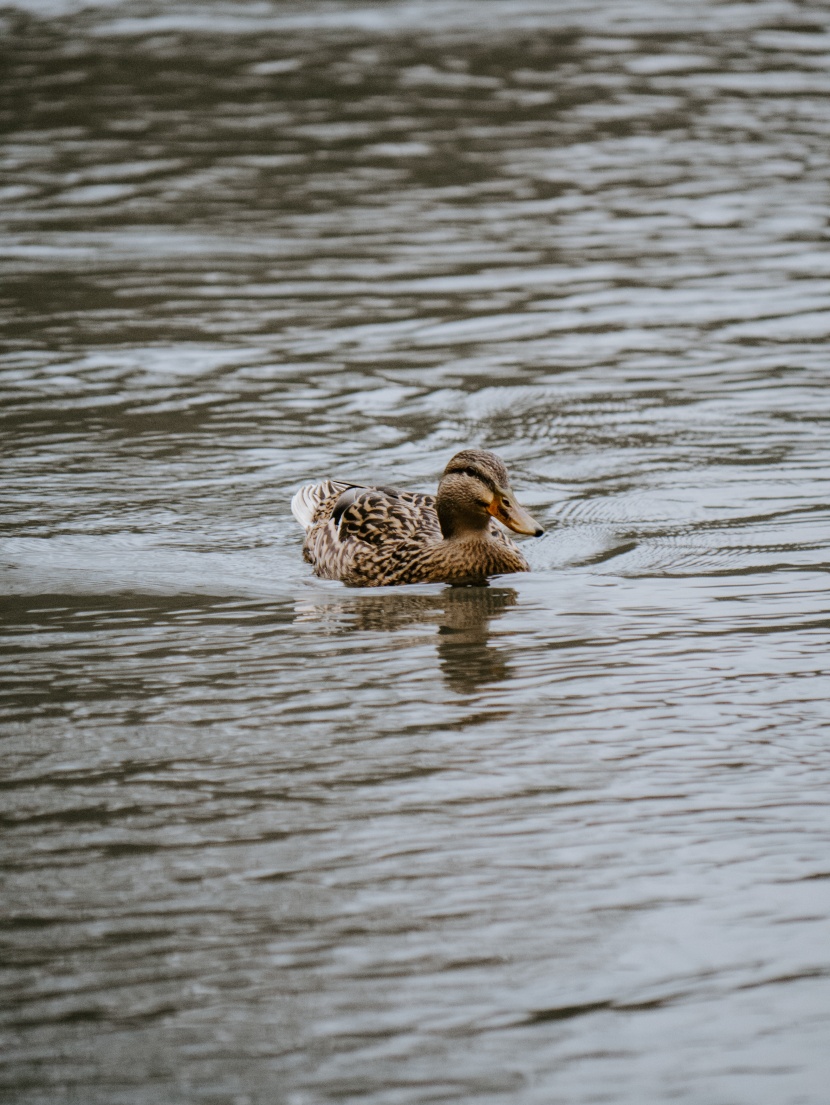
562,839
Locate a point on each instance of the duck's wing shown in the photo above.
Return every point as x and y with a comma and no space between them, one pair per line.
384,516
362,533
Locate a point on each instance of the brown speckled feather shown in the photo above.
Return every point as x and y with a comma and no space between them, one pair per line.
377,536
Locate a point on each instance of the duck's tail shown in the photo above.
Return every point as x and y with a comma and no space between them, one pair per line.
308,500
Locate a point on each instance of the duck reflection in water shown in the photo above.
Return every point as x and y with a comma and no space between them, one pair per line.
462,615
466,656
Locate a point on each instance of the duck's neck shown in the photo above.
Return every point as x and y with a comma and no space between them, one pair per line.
467,534
458,524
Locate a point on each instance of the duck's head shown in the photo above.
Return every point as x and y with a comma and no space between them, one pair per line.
475,487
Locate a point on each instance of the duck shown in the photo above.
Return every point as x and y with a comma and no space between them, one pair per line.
380,536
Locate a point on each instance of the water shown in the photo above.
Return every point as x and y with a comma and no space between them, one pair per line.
563,839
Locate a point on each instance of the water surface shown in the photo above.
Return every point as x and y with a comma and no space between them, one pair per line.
267,839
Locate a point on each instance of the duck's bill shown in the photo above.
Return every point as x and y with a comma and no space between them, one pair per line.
515,517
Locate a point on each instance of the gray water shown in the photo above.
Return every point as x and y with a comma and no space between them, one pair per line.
565,839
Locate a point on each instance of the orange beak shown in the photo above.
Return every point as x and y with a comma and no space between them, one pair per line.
515,517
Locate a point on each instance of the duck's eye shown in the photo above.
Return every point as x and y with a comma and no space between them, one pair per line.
471,472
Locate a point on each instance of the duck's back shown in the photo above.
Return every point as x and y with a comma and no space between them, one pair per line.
364,536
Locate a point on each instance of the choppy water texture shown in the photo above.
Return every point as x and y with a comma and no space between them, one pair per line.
564,839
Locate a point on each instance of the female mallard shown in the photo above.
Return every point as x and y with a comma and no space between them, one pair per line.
376,536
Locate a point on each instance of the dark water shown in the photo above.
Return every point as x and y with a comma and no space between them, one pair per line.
565,839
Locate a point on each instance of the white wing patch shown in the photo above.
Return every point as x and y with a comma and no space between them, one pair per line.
309,499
